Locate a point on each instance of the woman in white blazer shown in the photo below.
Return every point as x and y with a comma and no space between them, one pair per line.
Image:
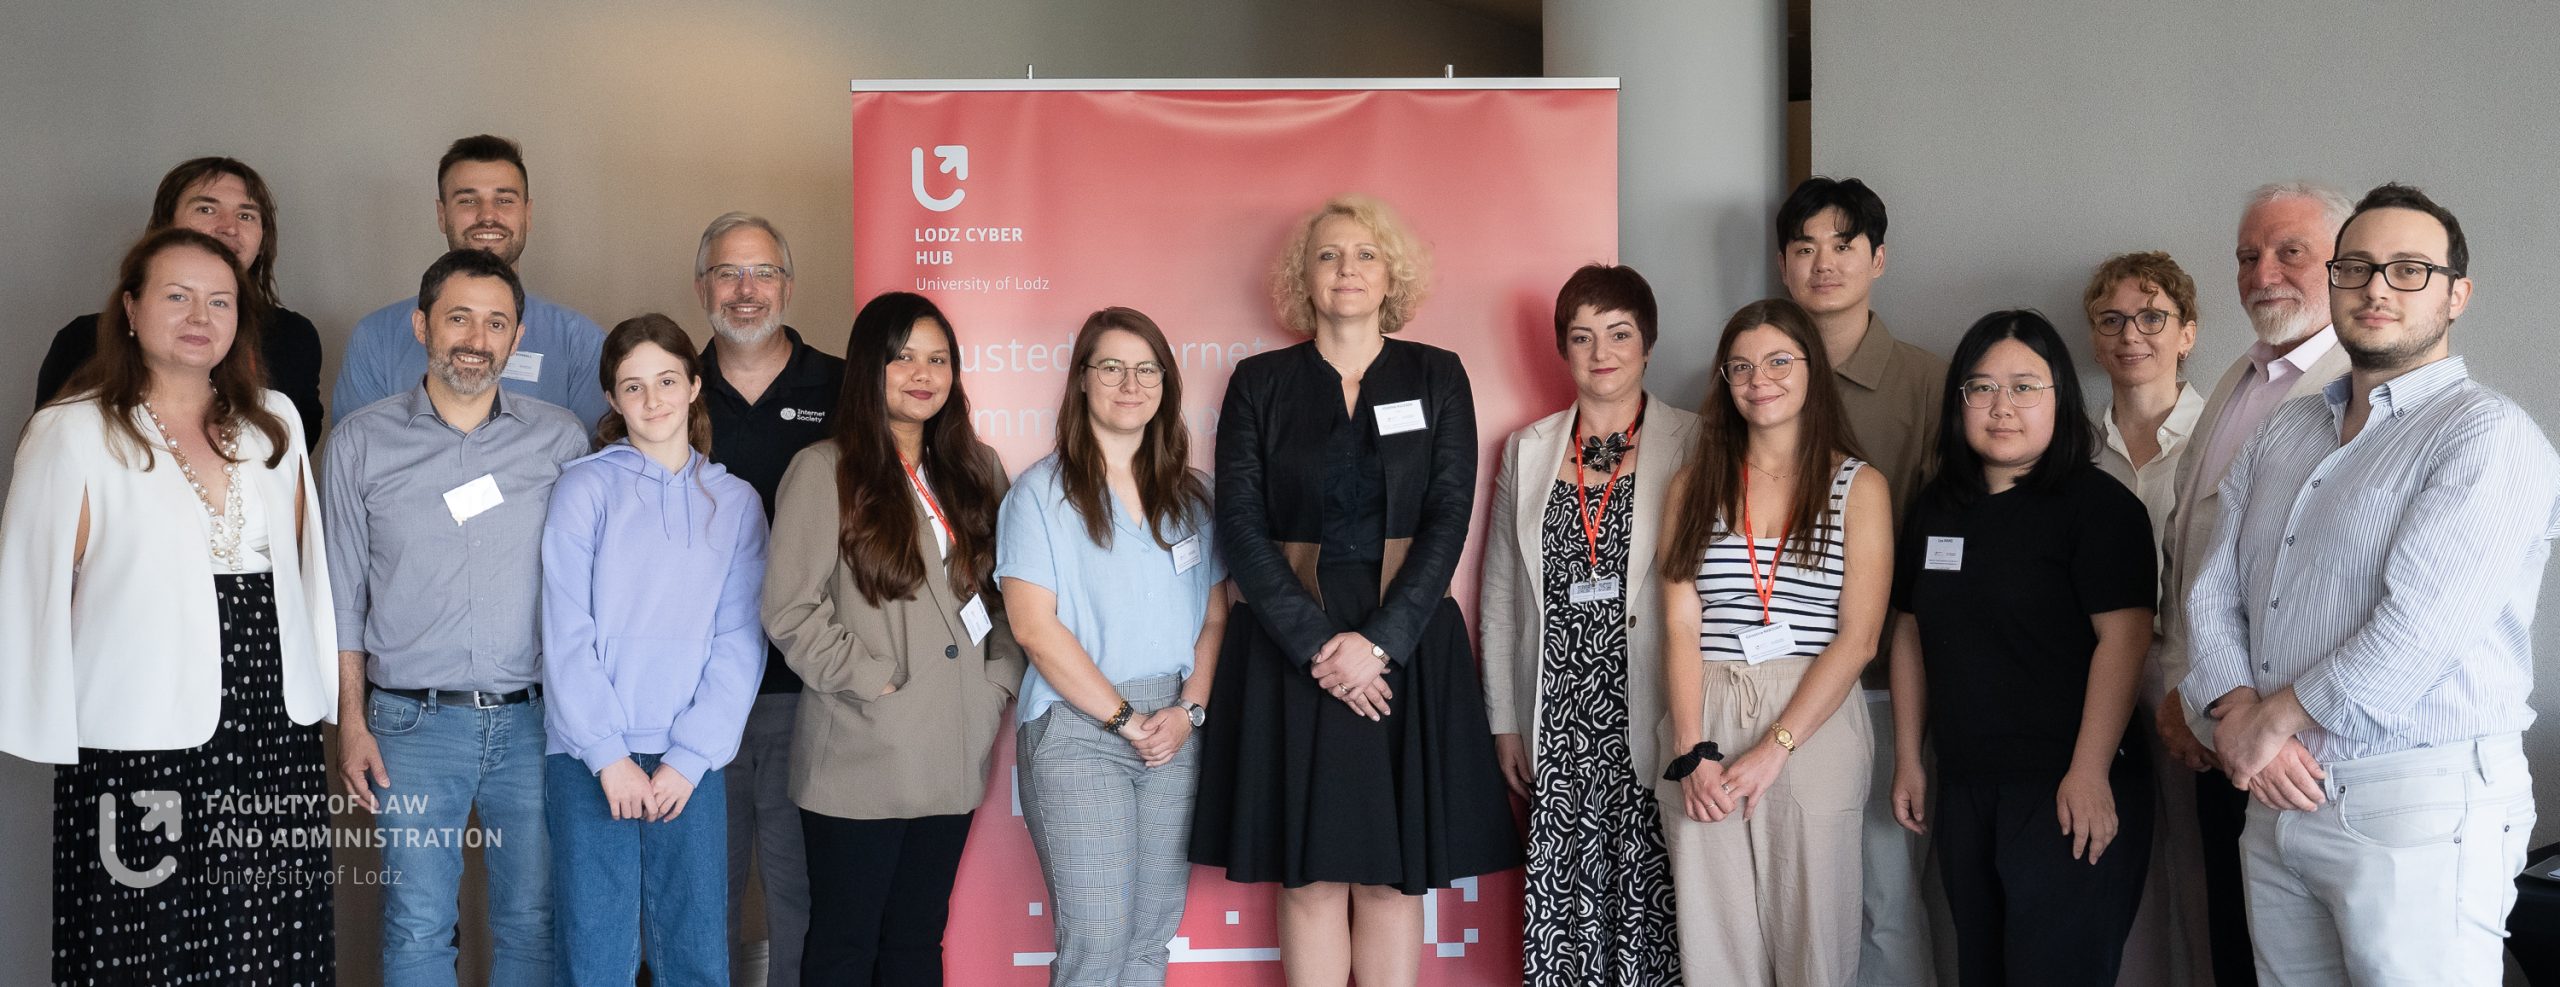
161,566
1572,629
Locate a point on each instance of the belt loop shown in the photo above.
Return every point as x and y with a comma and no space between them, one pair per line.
2480,761
431,700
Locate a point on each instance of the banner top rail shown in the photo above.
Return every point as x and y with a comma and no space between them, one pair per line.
1139,85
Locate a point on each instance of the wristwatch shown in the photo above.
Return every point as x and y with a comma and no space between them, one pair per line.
1378,652
1784,738
1199,714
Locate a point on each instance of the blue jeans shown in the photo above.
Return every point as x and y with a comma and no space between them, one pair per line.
623,882
442,760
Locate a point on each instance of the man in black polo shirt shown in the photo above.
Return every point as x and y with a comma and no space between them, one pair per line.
770,396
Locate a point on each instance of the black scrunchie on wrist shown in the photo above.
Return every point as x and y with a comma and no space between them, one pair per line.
1687,764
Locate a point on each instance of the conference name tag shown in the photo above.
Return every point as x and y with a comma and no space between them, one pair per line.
1945,554
1400,417
973,615
525,366
470,499
1593,590
1186,555
1762,642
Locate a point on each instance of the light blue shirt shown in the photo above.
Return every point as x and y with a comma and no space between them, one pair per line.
384,358
1125,604
2390,579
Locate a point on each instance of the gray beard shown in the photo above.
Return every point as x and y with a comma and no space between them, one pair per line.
749,335
2281,331
457,381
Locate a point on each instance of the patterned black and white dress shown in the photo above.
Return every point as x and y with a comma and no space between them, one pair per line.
1599,882
247,903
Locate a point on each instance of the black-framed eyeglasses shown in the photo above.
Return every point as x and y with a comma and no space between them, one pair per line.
2401,275
1773,369
1980,392
1112,372
732,274
2149,322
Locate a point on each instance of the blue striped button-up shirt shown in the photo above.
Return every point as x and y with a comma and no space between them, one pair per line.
2390,579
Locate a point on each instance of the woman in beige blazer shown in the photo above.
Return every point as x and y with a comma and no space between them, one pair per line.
880,594
1572,631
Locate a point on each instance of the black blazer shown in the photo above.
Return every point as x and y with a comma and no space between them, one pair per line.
1271,484
289,342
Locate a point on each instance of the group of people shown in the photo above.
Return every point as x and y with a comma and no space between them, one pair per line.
662,615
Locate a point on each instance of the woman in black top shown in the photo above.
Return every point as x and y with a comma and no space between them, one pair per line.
2027,575
1346,753
224,199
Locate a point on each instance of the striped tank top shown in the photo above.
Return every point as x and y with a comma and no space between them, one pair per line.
1807,599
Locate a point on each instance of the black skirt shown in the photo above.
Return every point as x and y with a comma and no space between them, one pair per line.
1296,788
241,895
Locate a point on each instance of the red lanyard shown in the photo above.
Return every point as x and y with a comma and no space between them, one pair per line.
1764,589
1582,498
930,507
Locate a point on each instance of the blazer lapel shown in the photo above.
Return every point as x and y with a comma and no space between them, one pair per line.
1541,455
1664,438
937,580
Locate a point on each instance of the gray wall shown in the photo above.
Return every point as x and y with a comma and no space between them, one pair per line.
2019,143
641,121
1701,156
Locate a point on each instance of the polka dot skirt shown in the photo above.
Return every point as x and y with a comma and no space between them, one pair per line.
240,895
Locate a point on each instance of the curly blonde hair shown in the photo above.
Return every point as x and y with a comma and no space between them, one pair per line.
1408,265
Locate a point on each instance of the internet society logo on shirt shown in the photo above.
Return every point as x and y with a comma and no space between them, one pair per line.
810,415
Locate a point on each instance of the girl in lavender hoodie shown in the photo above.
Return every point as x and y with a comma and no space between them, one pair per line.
652,564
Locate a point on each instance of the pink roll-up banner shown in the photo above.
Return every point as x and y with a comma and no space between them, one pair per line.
1022,207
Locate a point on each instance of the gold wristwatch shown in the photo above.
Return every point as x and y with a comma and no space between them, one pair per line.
1784,738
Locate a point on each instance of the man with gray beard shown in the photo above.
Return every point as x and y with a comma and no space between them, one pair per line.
770,395
2287,234
434,500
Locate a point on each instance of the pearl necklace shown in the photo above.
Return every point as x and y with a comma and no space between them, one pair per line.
227,523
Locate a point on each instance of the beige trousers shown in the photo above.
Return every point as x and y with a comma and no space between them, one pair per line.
1772,900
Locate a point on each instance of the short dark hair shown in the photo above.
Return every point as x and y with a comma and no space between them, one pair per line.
2393,195
1606,288
483,147
1957,479
467,263
1860,208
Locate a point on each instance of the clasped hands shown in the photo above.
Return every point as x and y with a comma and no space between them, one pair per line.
1716,790
1158,736
1347,668
640,795
2255,738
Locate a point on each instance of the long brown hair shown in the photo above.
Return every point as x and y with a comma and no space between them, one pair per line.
116,376
1170,492
660,331
1712,493
876,521
260,284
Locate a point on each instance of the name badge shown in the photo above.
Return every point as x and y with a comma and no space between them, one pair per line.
1401,417
524,366
470,499
1593,590
1945,554
1186,555
973,615
1762,642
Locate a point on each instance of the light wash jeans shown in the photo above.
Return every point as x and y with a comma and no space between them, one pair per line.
444,759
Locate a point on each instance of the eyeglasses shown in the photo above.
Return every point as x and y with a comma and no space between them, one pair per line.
1112,372
729,275
1773,369
1979,393
2149,322
2401,275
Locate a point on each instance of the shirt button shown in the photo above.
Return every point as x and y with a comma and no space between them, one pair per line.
2288,539
2266,666
2315,484
2274,604
951,651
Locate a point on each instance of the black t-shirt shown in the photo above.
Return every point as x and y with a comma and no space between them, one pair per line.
756,441
2004,614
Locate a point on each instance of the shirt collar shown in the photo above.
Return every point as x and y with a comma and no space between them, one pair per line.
420,405
799,371
1866,366
2407,392
2174,430
2300,358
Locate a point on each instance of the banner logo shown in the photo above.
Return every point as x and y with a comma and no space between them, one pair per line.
955,163
162,811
